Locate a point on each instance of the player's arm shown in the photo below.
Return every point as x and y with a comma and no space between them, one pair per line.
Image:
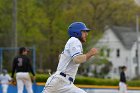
9,77
84,57
0,77
30,67
13,68
91,53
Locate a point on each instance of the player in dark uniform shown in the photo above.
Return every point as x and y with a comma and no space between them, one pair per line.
122,83
22,67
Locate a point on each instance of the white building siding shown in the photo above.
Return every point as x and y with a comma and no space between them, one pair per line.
133,61
112,42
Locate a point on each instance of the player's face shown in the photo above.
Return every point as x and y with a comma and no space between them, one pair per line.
25,52
84,36
125,69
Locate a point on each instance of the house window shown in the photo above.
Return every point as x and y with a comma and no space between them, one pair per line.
108,52
118,53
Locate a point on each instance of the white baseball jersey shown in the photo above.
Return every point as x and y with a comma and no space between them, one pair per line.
61,84
5,79
72,48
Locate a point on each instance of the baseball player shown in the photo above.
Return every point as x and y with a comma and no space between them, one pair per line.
122,83
70,59
22,67
4,80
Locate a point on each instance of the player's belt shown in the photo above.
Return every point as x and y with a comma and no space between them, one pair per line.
64,75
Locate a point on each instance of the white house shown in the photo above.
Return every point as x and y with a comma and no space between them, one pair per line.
120,48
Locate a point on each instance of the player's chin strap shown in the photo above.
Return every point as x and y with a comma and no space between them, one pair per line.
80,59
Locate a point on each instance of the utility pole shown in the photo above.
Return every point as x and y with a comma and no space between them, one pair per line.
138,51
1,60
15,22
137,31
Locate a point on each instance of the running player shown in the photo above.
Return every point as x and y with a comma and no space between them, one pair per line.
62,80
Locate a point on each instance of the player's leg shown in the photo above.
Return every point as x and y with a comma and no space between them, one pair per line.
28,86
28,83
66,86
121,87
125,88
47,87
71,88
52,85
20,84
4,88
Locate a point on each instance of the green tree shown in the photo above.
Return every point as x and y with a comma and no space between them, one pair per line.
5,23
44,23
31,25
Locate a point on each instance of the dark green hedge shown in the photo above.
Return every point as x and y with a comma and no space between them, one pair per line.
41,77
95,81
134,83
91,81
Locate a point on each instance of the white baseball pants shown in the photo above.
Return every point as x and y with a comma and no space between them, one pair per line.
122,87
23,78
59,84
4,88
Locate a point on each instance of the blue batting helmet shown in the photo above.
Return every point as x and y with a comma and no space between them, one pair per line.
75,29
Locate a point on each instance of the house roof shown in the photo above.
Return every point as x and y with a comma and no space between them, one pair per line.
126,35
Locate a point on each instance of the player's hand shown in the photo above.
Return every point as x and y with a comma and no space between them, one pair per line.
13,82
93,52
33,78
